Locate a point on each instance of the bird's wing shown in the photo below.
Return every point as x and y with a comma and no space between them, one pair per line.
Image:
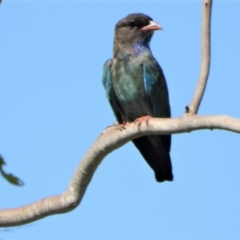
157,92
110,94
156,89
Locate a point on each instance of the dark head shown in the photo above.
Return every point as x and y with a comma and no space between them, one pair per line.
136,28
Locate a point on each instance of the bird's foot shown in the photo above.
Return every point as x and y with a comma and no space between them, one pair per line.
142,119
122,126
115,124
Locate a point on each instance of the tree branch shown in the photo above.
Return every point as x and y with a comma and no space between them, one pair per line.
205,65
111,139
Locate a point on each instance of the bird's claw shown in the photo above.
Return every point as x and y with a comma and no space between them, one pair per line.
122,126
140,120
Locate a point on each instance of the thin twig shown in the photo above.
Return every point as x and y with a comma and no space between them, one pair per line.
205,65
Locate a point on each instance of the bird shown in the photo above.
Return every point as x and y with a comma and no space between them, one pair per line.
136,88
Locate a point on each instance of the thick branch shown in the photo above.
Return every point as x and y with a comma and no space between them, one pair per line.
111,139
205,65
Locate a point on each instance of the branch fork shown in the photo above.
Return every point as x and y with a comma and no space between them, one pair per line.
112,138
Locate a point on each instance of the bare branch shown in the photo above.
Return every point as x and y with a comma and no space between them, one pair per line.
111,139
202,82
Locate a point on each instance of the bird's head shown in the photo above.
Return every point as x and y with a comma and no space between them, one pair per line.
136,28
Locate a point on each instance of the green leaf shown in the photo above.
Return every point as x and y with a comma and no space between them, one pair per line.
8,176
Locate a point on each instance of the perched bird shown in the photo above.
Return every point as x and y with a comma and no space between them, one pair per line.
136,87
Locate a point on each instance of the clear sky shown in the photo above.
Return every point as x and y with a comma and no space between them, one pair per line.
53,107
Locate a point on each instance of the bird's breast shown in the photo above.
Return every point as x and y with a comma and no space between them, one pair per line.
128,80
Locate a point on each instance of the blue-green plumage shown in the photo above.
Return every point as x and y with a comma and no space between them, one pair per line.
135,86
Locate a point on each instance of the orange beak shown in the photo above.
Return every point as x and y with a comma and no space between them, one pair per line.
152,26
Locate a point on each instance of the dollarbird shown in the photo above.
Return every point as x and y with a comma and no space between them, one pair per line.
136,88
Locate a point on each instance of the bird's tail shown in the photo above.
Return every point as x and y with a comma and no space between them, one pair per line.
157,155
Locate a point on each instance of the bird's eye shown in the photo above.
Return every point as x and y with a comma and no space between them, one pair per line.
131,24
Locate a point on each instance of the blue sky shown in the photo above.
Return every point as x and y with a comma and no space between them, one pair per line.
53,107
